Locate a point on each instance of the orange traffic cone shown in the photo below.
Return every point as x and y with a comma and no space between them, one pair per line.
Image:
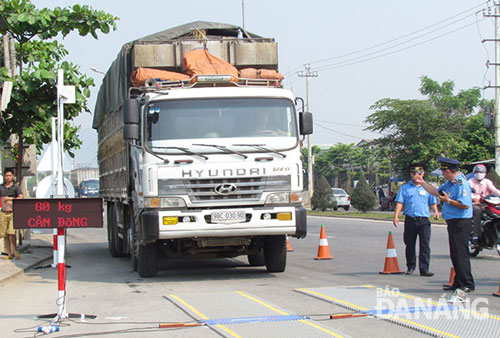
452,277
323,250
391,260
497,294
288,246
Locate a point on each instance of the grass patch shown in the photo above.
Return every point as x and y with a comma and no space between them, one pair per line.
367,215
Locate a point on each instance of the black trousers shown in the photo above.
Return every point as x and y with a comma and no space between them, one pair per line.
458,237
422,229
477,213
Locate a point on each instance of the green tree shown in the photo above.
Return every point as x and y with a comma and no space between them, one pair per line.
33,99
479,141
340,159
322,197
413,129
443,124
362,197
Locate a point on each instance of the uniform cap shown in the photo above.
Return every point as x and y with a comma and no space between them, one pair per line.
417,167
448,163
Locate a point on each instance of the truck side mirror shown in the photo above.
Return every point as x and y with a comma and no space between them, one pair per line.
131,111
306,123
130,131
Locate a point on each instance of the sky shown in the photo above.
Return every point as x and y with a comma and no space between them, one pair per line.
363,50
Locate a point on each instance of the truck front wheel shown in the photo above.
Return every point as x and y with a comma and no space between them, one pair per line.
257,259
275,253
147,260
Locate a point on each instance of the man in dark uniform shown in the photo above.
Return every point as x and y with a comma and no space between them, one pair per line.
455,194
8,191
415,202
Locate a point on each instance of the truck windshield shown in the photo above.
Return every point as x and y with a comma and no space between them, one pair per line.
221,118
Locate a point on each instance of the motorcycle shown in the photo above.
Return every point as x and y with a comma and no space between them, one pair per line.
490,226
387,204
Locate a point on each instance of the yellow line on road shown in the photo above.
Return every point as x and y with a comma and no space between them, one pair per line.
262,303
334,299
424,326
202,316
305,321
320,328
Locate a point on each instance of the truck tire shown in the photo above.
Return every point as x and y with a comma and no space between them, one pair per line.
147,260
115,243
257,259
275,253
133,248
110,225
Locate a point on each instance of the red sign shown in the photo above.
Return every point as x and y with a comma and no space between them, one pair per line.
46,213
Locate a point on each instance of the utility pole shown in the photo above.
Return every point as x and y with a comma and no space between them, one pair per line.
496,113
243,13
307,74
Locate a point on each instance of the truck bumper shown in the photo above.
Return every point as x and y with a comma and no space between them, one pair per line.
200,225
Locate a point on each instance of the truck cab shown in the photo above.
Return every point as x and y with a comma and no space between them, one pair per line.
218,171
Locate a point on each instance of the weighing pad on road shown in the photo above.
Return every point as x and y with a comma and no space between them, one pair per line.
439,319
239,314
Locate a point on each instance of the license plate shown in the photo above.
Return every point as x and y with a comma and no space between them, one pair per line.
228,216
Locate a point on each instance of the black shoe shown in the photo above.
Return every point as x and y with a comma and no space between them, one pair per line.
474,242
409,271
427,274
466,289
450,287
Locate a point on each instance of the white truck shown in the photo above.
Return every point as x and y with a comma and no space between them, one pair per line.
208,167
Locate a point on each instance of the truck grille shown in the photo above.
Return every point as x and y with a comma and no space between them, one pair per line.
247,189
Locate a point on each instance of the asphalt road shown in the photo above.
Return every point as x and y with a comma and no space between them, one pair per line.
129,306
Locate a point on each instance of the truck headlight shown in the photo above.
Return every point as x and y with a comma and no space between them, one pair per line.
164,202
277,198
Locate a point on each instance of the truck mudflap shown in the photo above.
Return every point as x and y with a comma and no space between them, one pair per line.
148,228
301,219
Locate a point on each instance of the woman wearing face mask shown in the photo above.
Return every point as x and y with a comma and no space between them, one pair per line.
481,187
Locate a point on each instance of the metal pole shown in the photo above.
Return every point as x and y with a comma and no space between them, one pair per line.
309,143
54,172
497,89
307,74
243,13
61,232
60,137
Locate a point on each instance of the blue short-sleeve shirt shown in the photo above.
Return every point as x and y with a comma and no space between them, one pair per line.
415,199
458,190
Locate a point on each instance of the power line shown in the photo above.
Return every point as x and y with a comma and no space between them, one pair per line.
409,34
343,124
338,132
349,62
341,65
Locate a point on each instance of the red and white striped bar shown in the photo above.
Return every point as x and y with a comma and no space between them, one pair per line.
61,270
54,249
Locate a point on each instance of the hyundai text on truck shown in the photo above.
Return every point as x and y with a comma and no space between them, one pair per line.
206,167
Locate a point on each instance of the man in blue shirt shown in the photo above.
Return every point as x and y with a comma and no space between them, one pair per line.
414,201
455,194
